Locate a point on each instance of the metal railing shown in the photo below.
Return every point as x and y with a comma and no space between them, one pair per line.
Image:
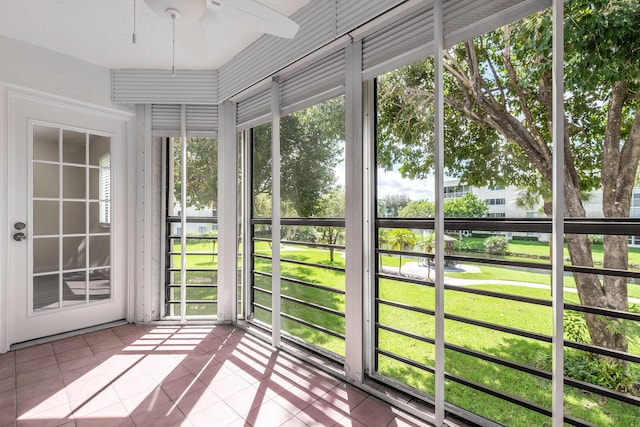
201,273
396,364
312,288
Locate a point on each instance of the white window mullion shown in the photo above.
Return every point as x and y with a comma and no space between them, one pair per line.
438,90
275,212
557,241
183,219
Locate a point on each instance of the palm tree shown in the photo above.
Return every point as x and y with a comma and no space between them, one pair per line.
425,244
401,239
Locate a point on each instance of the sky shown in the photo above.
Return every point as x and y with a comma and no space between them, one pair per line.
392,183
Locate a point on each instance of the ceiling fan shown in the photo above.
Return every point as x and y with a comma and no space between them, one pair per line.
191,15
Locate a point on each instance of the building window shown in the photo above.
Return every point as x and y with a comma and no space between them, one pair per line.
498,201
497,215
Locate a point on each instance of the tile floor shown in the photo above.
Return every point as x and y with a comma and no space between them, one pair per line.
177,376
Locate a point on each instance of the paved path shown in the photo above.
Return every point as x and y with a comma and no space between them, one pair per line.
413,269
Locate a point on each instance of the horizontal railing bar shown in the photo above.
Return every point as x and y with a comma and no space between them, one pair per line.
609,226
312,305
493,326
201,270
515,263
504,396
193,285
405,307
409,362
313,326
261,273
616,354
466,320
603,311
192,219
313,285
177,237
319,222
603,391
262,307
193,253
311,264
312,244
264,291
193,301
500,295
405,279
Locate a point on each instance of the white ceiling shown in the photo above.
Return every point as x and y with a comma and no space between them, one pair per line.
100,32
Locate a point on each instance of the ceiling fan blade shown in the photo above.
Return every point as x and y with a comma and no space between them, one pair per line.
256,15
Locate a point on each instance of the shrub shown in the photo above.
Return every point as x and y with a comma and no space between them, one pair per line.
526,238
595,239
496,245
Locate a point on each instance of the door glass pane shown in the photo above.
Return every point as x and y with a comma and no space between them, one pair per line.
98,147
73,147
74,288
45,143
74,251
75,182
46,181
46,293
46,217
100,284
45,255
73,218
62,264
99,251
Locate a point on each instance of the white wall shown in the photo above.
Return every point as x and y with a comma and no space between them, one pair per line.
40,69
42,73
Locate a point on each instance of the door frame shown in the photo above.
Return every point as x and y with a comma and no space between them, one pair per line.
10,94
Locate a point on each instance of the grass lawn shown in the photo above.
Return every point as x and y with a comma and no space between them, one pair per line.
528,317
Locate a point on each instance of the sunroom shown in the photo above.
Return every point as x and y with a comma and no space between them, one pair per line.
330,212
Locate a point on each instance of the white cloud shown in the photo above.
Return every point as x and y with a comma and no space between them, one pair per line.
392,183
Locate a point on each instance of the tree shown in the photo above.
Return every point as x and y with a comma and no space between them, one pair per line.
310,148
467,206
392,204
401,239
333,205
498,96
425,244
418,209
202,172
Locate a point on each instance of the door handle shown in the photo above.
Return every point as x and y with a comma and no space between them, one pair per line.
19,237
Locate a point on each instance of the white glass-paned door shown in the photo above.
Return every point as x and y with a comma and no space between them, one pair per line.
71,252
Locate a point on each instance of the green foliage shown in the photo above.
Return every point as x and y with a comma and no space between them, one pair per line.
496,245
401,239
418,209
202,172
467,206
391,205
525,238
311,145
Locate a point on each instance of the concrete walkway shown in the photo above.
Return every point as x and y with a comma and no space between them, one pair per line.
417,271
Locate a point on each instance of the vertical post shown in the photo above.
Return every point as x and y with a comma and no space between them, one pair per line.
145,176
369,239
247,213
557,269
275,212
438,150
353,214
183,216
227,218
